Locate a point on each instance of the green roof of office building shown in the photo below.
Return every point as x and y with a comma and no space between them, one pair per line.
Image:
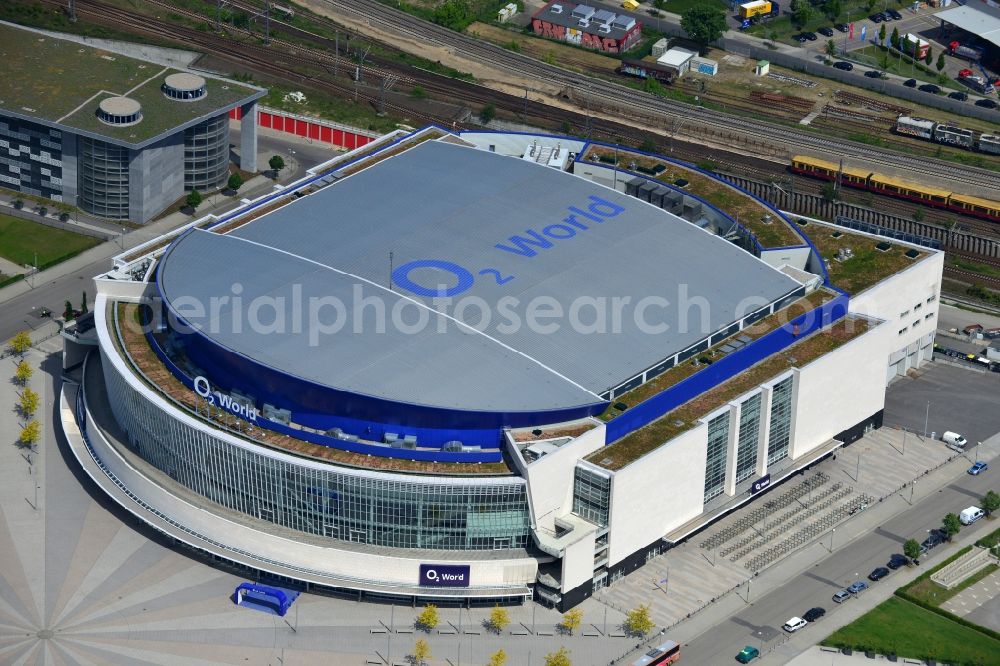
61,83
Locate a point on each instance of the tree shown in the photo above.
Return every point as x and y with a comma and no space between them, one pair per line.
276,163
421,652
499,619
661,5
911,549
703,24
83,303
881,34
428,618
894,38
68,311
20,343
23,372
572,619
29,403
832,9
991,502
829,192
871,4
488,113
30,434
940,62
498,658
235,182
418,93
18,204
801,12
560,658
831,48
951,525
453,14
929,58
648,146
919,215
193,199
638,622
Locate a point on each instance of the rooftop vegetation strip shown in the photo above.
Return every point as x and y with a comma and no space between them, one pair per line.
681,372
644,440
137,350
743,208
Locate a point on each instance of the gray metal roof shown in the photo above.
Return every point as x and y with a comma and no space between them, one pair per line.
981,20
444,202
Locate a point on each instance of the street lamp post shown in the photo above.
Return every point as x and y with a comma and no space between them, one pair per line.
913,485
927,418
831,538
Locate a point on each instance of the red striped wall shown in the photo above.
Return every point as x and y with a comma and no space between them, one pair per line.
316,131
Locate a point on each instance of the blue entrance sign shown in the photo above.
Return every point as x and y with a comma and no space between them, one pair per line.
444,575
760,484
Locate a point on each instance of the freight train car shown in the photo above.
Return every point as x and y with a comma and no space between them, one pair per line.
646,70
927,195
946,133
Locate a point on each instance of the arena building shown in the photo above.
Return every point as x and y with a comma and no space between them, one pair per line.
481,366
119,137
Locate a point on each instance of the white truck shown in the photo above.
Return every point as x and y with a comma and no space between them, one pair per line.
971,515
954,441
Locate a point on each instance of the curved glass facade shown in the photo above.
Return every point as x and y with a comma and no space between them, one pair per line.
392,510
103,178
206,154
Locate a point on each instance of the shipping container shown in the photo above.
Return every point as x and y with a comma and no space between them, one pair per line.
756,8
704,66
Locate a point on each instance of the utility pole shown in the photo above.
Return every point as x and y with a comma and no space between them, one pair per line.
218,15
267,22
927,417
388,80
72,10
336,54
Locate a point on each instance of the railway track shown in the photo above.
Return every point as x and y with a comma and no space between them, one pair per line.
395,20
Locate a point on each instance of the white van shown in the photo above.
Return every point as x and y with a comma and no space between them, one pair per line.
954,441
971,515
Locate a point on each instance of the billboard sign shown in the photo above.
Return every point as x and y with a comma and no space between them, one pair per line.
444,575
760,484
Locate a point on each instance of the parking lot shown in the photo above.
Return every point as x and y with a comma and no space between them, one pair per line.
961,399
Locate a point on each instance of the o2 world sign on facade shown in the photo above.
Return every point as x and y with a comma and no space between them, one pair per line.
224,401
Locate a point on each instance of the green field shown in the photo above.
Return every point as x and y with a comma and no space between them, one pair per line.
901,628
21,239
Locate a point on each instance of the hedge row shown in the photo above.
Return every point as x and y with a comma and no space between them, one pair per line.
990,540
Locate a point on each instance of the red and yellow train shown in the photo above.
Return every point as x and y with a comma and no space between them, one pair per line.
928,195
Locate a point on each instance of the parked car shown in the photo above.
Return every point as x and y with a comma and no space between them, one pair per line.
978,468
959,95
877,18
814,614
747,654
794,624
971,515
878,574
986,103
811,36
800,38
874,74
842,596
929,88
910,83
934,539
842,27
896,560
825,31
844,65
857,587
894,15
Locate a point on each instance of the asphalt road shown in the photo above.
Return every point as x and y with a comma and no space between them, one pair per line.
815,587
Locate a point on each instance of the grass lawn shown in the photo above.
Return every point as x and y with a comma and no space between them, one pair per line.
21,239
899,627
681,6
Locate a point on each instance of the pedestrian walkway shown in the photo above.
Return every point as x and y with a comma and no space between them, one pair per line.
974,596
723,558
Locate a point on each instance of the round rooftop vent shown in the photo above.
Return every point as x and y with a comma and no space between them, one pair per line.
184,87
119,111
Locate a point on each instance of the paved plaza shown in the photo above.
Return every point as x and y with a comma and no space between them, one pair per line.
804,510
979,603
